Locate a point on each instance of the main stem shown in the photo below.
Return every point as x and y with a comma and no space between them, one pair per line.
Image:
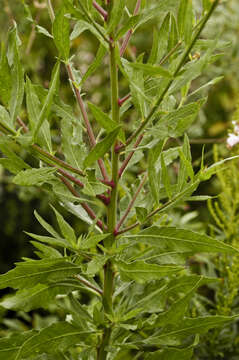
112,208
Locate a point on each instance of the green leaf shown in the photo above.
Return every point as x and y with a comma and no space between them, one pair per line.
33,177
135,78
160,41
29,273
101,52
39,296
185,20
185,164
173,35
5,78
45,225
33,109
165,177
98,31
154,154
49,99
75,149
171,335
129,25
92,241
177,121
151,70
10,347
116,12
53,241
43,251
13,162
180,240
142,272
171,354
58,337
65,228
105,121
61,33
17,74
101,148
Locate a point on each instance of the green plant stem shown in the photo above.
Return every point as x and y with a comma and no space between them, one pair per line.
112,208
175,73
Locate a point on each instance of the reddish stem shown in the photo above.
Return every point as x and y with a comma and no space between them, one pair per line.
131,204
127,160
86,120
47,154
100,10
129,33
85,206
125,98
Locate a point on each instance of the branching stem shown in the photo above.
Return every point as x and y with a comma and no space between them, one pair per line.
131,204
175,73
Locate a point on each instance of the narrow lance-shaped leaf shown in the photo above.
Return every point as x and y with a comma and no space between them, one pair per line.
33,109
172,335
180,240
173,35
142,272
66,229
154,154
151,70
101,148
49,99
61,31
185,20
17,79
105,121
5,78
101,52
165,177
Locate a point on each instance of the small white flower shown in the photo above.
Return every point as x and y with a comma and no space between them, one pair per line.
232,140
69,318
